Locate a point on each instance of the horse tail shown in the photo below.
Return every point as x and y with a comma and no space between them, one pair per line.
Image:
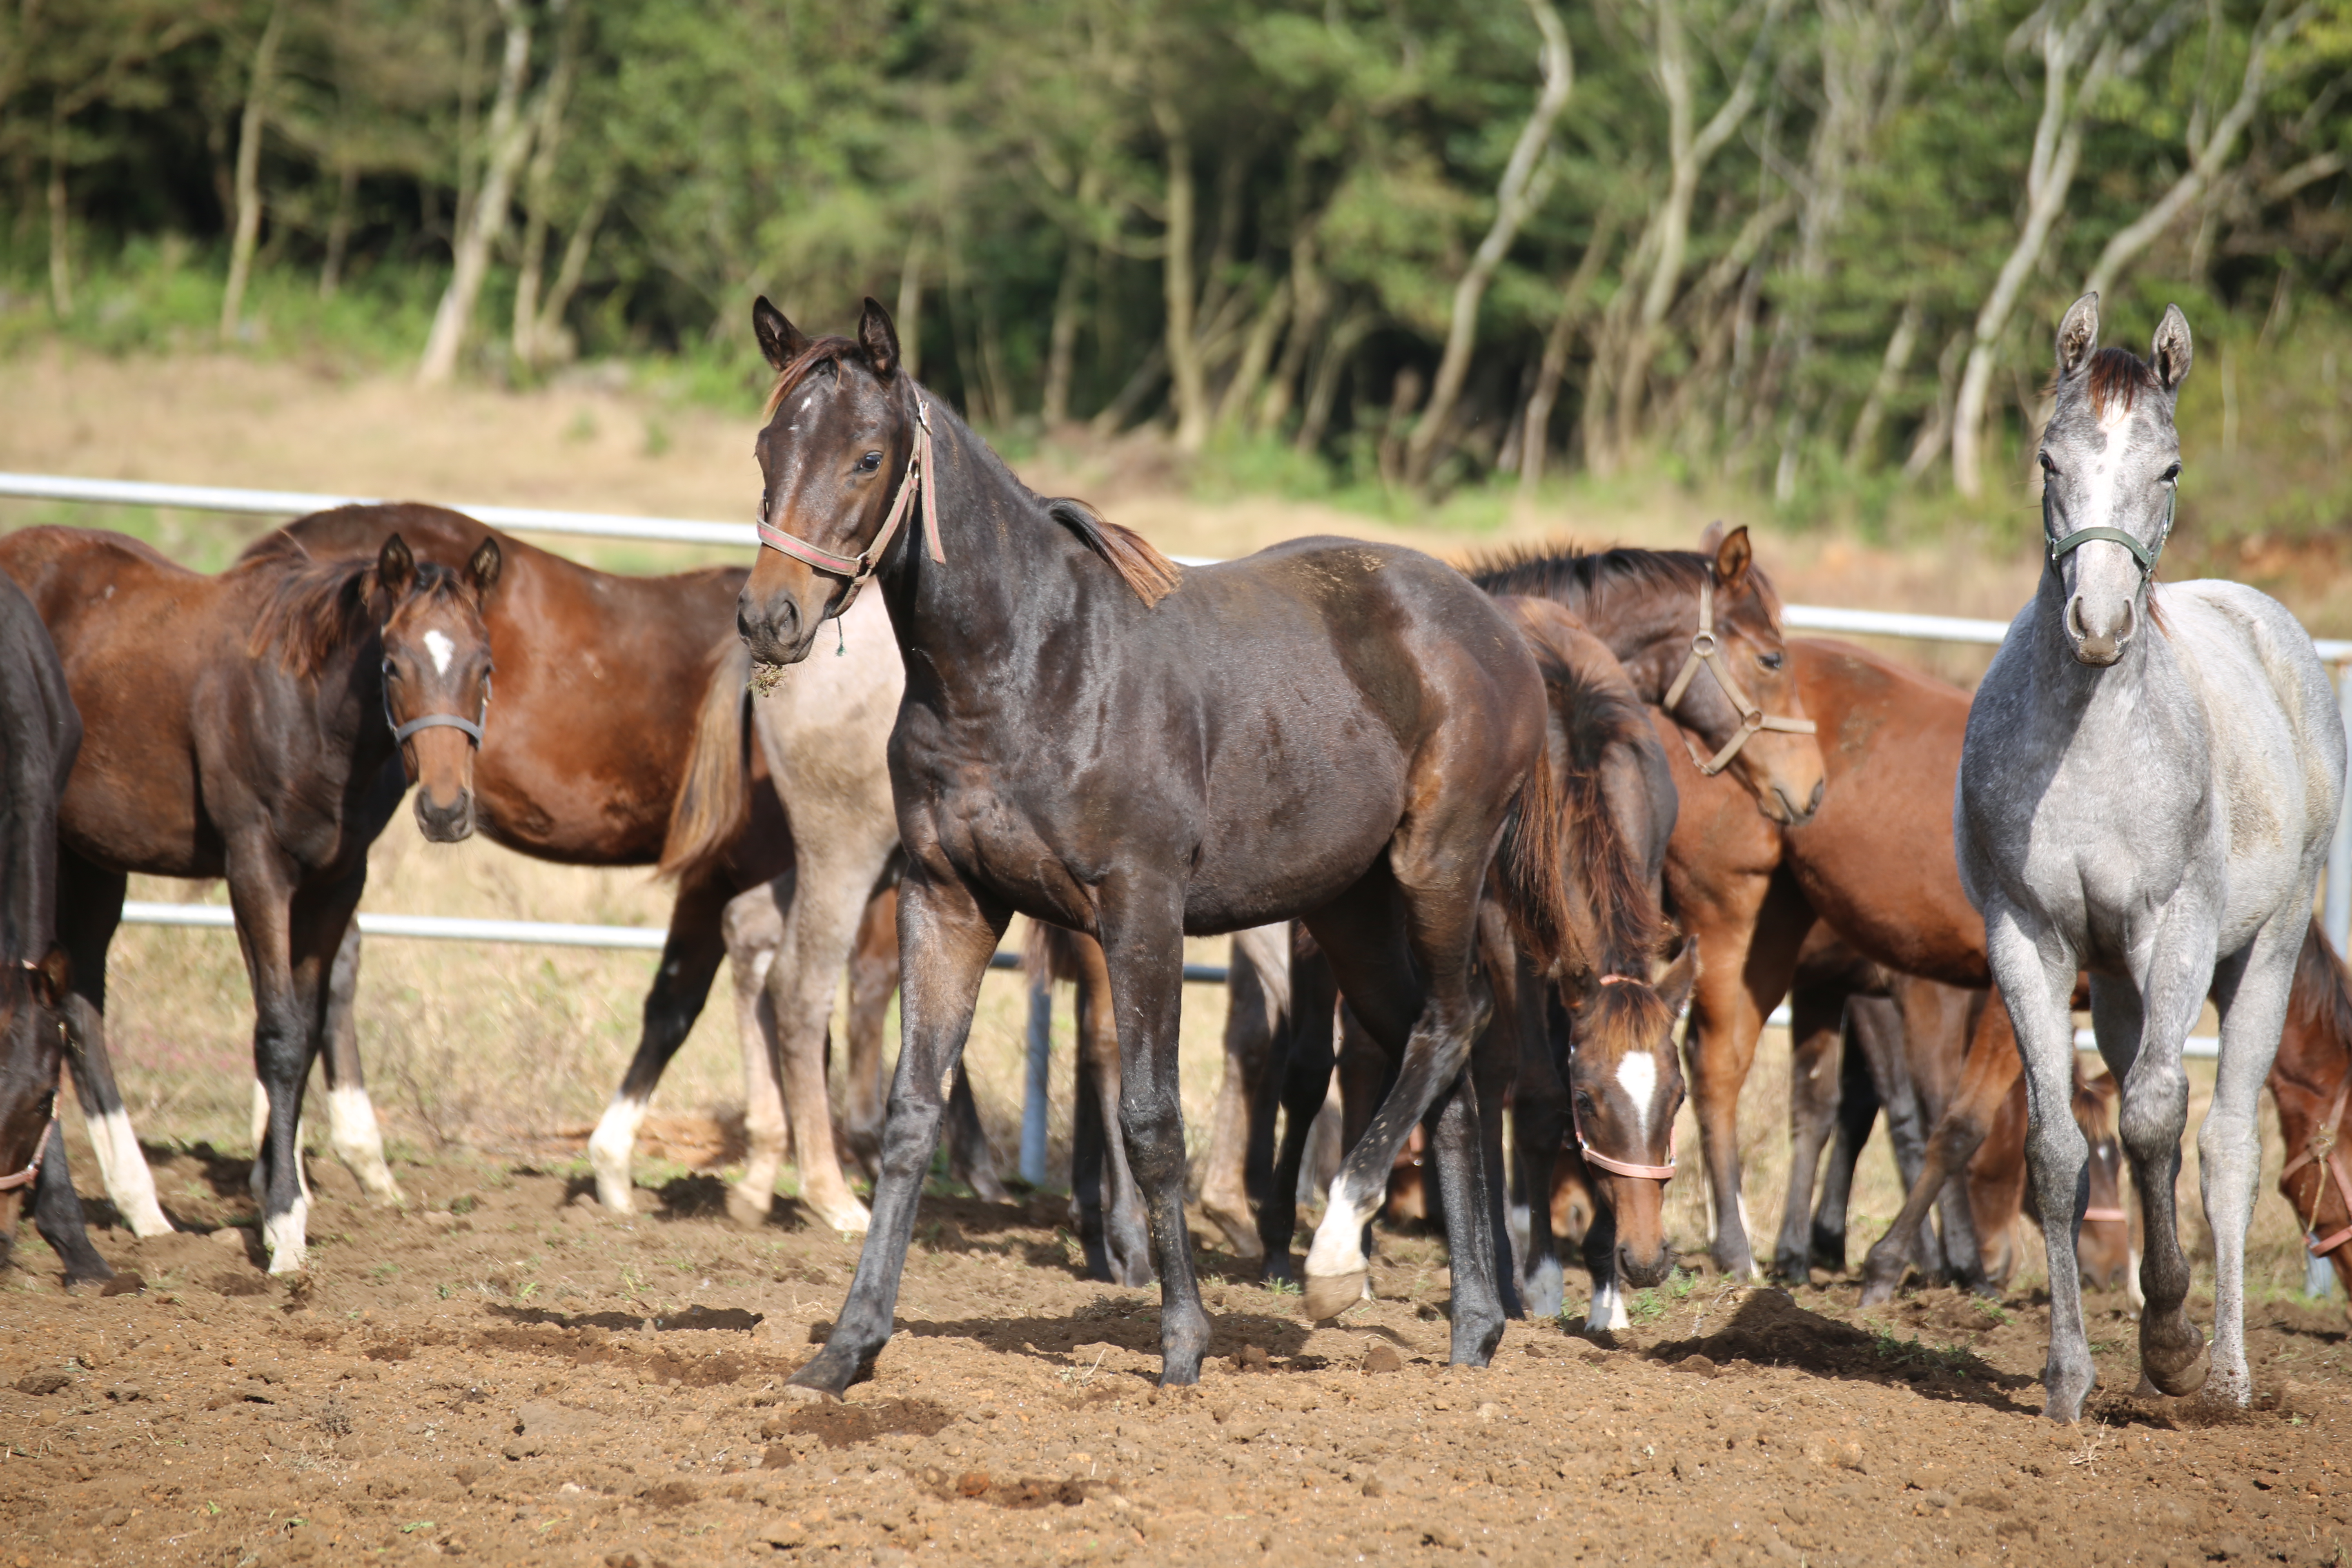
714,800
1051,952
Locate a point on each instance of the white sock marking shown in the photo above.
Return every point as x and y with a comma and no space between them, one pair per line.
1637,1075
286,1238
609,1148
124,1171
1338,1241
1608,1311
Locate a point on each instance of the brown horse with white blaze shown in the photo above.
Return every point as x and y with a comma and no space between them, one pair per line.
259,725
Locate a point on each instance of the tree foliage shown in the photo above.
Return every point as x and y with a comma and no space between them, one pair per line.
1759,240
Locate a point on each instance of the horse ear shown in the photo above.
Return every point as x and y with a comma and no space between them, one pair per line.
1732,555
2170,353
780,341
2078,335
53,977
484,566
396,569
879,336
1710,536
1675,985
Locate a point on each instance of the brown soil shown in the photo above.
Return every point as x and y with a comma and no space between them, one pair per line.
531,1381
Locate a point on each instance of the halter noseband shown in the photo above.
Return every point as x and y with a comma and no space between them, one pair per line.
2323,1147
2062,547
472,727
32,1172
1707,649
1620,1167
859,569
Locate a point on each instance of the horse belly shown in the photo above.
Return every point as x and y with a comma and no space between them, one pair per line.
1270,855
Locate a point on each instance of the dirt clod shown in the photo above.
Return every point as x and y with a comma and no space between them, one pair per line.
1382,1357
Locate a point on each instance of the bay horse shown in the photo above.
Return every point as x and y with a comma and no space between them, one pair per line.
1331,730
626,738
259,725
40,732
2312,1083
2148,784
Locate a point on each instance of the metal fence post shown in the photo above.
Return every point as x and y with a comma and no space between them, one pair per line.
2336,916
1035,1098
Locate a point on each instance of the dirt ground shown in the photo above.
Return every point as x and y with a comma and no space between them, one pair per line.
504,1373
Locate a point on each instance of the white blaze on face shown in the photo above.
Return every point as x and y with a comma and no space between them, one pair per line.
1637,1075
438,645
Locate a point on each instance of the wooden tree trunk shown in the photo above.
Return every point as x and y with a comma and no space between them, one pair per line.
510,142
249,173
1185,373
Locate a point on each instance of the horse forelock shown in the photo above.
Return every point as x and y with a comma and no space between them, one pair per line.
2114,379
1618,1021
830,350
315,609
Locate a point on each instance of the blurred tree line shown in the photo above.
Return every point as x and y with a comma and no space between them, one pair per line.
1433,241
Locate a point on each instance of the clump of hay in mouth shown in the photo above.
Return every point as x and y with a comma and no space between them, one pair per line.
765,678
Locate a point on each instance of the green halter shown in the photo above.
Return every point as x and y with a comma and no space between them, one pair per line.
2062,548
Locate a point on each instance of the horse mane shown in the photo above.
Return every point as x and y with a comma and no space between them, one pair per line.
828,350
1566,572
1594,717
2118,373
1139,565
2321,1002
313,607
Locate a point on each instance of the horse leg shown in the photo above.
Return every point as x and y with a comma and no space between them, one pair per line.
1857,1112
1497,1055
873,981
1250,1024
690,960
753,929
290,936
1817,1018
1089,1145
89,908
1748,956
1539,1123
351,1130
2250,990
1297,1081
1987,1072
1126,1232
946,937
2036,978
1365,935
56,1215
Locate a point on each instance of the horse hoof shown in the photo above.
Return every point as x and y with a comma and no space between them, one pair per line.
747,1211
795,1394
1329,1295
852,1220
2177,1377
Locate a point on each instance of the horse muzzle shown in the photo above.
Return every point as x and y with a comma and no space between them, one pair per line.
445,822
2099,634
774,629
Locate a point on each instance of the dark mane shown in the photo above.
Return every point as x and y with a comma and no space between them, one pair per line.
315,608
1596,717
2322,1003
1141,566
2118,374
821,351
1570,574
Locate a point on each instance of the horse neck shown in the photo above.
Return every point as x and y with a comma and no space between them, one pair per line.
1649,635
2146,688
340,729
1007,586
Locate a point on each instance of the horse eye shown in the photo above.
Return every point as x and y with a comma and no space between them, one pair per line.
390,670
1771,660
1584,1103
868,463
2171,473
2047,466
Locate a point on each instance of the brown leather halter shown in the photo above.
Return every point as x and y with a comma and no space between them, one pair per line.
2325,1147
1708,649
1621,1167
859,569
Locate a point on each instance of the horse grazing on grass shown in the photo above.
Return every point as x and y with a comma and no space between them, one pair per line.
2312,1082
1331,730
39,735
259,725
2147,788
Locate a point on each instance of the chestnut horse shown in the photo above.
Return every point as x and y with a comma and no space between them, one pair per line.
260,725
39,735
1331,730
2312,1083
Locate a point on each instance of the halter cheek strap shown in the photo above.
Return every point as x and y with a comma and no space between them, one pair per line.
1602,1161
859,569
1708,649
472,727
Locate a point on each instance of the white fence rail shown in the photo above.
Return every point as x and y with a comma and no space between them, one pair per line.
2337,915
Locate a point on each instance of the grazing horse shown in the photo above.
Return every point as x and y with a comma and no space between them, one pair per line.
259,725
2312,1082
39,735
2148,787
1331,730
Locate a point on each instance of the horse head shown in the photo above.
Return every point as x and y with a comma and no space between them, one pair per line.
1750,712
32,1047
2103,1251
840,461
437,677
1625,1089
2110,471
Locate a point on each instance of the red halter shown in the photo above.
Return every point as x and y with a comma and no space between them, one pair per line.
1620,1167
859,569
2322,1148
